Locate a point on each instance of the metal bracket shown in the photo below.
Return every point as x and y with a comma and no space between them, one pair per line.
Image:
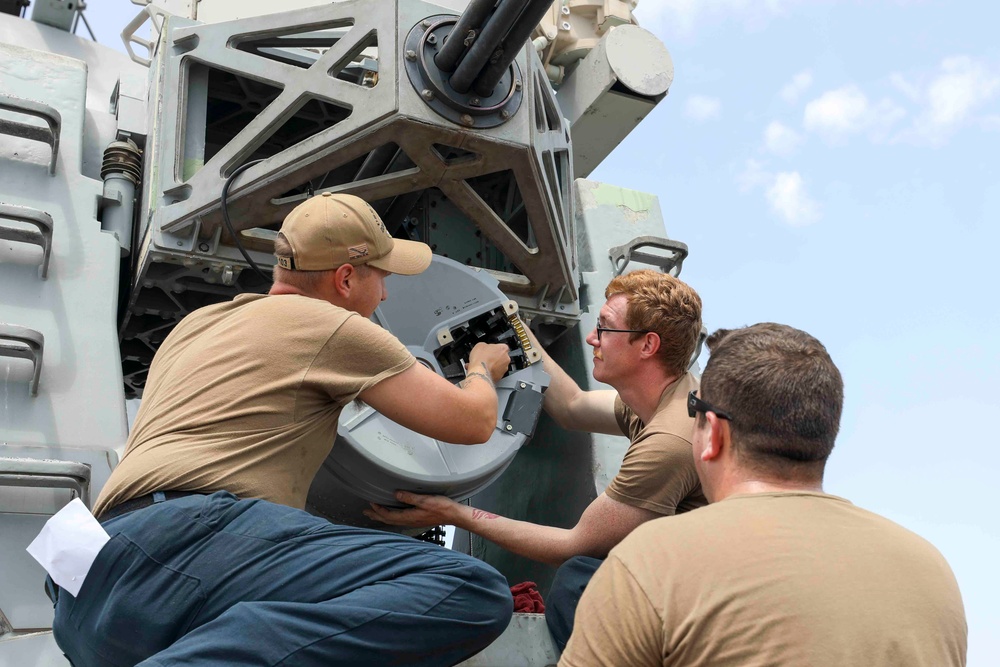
47,474
48,136
31,345
43,237
623,254
156,16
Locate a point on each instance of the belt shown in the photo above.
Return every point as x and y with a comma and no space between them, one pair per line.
141,502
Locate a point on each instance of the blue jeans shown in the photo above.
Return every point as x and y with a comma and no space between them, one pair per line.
571,579
213,580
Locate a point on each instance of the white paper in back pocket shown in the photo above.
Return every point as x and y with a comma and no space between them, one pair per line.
68,545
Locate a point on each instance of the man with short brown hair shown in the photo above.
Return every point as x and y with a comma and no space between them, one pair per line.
774,572
212,558
646,335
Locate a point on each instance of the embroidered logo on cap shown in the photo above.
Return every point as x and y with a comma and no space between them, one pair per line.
356,251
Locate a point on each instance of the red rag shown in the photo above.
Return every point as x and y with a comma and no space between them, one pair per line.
527,599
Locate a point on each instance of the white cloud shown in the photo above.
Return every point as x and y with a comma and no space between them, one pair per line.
959,89
798,85
788,198
847,110
785,193
780,139
702,108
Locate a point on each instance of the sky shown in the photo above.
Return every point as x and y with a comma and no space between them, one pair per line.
833,166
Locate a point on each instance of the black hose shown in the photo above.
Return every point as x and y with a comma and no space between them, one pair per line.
488,41
229,225
471,19
511,45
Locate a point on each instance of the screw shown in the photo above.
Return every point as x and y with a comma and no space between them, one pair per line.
203,247
474,102
509,427
432,39
411,54
467,120
504,114
427,94
517,85
425,23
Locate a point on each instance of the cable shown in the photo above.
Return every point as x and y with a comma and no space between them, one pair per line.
229,225
87,25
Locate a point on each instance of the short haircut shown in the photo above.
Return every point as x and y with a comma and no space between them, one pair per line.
785,396
660,303
304,280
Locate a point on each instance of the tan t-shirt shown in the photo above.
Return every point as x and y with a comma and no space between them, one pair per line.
658,472
245,396
771,579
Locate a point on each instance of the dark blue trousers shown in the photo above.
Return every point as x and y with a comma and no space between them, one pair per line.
213,581
564,596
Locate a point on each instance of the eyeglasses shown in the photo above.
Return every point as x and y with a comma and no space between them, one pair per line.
696,405
602,330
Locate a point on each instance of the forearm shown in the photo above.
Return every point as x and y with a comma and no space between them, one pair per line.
480,394
545,544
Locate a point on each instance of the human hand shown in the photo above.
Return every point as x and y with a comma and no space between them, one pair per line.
495,357
426,511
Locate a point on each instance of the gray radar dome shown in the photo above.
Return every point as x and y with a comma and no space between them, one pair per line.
439,315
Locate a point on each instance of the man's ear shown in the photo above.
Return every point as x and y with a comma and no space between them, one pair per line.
718,438
650,344
343,279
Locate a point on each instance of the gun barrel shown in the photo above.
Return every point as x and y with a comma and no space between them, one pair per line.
478,55
509,47
471,20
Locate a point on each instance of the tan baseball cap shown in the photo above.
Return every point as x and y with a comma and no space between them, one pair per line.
329,230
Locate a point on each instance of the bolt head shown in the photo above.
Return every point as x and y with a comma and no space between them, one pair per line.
411,54
427,94
203,247
425,23
522,385
504,114
474,102
517,85
509,427
466,119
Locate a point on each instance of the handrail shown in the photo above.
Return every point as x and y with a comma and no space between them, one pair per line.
48,136
43,237
31,346
621,255
47,473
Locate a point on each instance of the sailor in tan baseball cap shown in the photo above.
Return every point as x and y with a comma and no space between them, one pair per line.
330,230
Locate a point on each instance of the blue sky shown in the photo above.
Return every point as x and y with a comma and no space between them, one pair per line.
833,166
